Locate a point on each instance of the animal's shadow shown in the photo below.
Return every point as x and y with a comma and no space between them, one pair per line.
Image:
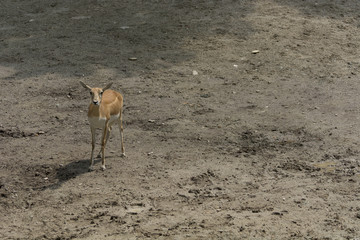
53,176
70,171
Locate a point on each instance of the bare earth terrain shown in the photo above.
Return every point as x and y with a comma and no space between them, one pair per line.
241,119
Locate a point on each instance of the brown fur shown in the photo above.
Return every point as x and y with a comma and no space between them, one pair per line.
104,110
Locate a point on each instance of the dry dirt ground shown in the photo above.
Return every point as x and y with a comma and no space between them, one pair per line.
222,142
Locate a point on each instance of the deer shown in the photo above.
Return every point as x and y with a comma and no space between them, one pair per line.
105,109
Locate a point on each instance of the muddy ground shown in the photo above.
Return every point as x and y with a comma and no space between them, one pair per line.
241,119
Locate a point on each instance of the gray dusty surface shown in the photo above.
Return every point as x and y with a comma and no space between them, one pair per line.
241,119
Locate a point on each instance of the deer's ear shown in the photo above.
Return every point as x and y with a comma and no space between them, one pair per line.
84,85
107,86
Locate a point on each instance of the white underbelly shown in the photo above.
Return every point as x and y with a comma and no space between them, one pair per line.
97,122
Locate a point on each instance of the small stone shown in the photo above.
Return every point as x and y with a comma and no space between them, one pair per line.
277,213
255,52
206,95
195,73
80,17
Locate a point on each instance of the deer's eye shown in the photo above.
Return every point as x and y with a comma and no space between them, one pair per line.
91,93
101,92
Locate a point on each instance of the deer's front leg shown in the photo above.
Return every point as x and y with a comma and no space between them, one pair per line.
103,144
107,138
92,149
121,135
